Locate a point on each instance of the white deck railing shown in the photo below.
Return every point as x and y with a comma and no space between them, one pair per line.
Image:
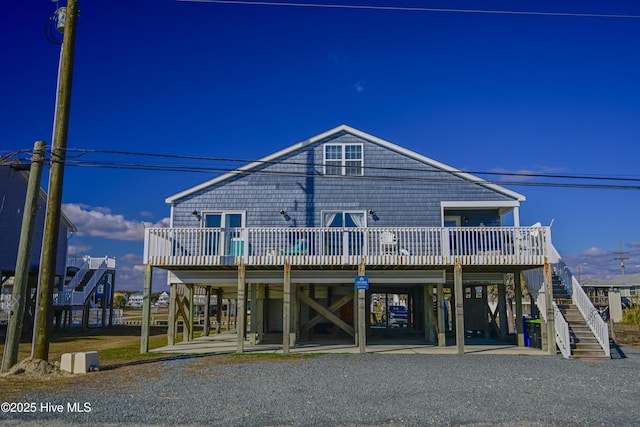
347,246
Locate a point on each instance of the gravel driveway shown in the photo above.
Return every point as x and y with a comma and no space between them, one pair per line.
370,389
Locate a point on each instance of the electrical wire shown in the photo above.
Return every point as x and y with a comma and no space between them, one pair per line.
364,167
391,173
414,9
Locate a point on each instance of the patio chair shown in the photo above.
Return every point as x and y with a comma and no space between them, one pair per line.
528,240
300,248
388,243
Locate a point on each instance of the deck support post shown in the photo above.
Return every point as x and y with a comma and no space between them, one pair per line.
146,310
258,315
171,327
459,296
502,310
252,303
442,338
428,313
517,282
362,316
111,297
240,309
286,309
191,311
551,327
207,314
218,310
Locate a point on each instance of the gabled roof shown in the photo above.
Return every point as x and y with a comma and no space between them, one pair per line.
348,129
43,197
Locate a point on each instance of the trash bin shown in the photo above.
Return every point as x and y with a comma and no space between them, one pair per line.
534,331
525,329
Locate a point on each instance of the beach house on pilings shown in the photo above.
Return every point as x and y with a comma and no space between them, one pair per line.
286,235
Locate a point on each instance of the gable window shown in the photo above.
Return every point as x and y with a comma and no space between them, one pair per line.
343,159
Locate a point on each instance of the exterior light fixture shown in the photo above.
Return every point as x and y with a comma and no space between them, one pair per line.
372,212
195,213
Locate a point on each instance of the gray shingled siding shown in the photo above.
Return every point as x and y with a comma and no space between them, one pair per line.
399,201
13,188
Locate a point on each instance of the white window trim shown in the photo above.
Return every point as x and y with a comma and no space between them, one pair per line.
223,212
343,158
343,212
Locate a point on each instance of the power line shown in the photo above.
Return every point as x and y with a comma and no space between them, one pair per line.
415,9
77,161
385,168
316,172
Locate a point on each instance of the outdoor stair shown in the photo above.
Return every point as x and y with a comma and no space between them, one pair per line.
559,290
584,344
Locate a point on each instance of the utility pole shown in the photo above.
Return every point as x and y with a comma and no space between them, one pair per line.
621,257
42,328
19,293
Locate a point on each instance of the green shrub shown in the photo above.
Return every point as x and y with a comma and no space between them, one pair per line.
631,315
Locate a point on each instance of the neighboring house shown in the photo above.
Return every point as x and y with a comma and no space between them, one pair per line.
627,286
290,232
13,187
163,300
135,300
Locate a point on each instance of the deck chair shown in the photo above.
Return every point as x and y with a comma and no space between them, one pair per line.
528,241
388,243
300,248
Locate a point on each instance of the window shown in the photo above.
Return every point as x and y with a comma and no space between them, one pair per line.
343,159
226,236
343,219
348,237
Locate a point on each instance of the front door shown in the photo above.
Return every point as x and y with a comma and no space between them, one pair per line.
350,240
226,239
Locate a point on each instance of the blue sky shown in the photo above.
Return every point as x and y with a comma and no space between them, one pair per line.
481,92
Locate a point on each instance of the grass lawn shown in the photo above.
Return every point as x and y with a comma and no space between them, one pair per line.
119,351
116,346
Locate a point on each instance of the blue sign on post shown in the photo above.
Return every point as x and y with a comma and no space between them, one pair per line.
362,282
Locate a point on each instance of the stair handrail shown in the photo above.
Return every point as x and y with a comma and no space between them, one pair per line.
563,337
91,284
594,320
563,272
79,275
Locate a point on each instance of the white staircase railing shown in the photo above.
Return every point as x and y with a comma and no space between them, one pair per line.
69,295
79,297
63,297
563,337
596,324
82,271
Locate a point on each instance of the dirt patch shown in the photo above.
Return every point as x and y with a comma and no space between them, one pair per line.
627,335
31,376
36,368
